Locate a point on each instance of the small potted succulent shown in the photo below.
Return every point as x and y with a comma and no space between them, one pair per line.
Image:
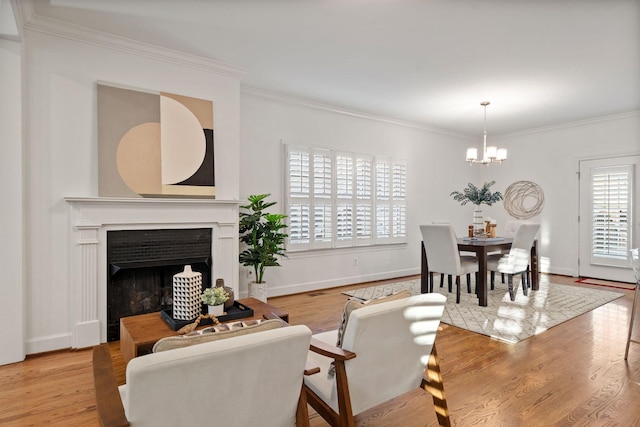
215,299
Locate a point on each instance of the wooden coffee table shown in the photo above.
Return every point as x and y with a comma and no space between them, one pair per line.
139,333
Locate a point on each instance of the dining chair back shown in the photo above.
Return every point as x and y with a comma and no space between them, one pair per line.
517,260
441,248
635,265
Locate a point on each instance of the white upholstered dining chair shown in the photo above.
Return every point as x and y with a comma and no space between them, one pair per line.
517,260
441,248
635,264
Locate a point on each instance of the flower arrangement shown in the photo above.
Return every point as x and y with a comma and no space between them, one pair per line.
476,195
214,296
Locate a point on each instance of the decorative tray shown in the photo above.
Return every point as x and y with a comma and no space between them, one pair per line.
236,311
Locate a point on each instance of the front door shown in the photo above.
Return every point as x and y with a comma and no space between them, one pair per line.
609,217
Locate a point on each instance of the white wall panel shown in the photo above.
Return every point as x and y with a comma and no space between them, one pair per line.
12,315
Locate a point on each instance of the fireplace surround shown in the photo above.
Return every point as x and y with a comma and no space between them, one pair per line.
93,217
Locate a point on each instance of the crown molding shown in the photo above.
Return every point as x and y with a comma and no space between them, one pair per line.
258,93
568,125
34,22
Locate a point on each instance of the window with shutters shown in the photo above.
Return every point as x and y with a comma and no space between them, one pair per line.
611,190
340,199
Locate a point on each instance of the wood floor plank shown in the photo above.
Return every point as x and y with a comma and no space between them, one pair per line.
574,374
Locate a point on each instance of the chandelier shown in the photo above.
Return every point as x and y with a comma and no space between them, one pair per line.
490,154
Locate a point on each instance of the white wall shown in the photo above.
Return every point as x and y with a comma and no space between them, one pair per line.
11,209
436,167
61,151
549,157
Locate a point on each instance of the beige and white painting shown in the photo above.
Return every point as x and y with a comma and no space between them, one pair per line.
154,144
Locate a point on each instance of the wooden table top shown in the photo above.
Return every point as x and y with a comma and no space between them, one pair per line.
149,328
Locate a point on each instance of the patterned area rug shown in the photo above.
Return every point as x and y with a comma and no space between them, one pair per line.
503,319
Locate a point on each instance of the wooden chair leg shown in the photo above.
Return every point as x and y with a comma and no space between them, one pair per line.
431,281
345,413
502,274
302,412
450,278
468,283
435,386
457,289
523,279
441,280
109,406
493,280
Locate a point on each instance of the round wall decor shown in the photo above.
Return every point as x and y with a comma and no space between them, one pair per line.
523,199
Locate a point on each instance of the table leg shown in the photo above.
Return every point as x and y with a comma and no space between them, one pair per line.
481,254
535,267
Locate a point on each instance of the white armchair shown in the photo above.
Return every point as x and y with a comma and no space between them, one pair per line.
241,381
387,350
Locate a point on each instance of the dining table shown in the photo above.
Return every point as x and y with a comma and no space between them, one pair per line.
482,247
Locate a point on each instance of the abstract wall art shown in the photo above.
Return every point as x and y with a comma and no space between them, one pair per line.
524,199
154,144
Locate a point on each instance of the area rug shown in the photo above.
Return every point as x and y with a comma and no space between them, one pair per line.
503,319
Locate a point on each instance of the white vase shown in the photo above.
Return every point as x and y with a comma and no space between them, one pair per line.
216,310
477,219
258,291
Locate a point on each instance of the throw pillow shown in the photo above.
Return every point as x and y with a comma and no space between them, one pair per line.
354,304
218,332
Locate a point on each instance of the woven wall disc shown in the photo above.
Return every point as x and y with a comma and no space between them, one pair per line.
523,199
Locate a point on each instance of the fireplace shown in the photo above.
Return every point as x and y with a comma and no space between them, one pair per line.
141,265
93,220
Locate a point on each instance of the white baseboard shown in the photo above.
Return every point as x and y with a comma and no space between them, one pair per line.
332,283
49,343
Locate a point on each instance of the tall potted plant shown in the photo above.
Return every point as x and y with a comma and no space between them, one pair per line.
263,234
477,196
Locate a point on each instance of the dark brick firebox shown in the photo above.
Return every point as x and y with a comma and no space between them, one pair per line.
141,268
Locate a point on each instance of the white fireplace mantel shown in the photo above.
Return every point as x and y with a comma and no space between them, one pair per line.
92,217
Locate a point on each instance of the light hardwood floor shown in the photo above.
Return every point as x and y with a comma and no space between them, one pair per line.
572,374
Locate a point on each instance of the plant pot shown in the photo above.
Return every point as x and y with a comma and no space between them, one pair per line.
258,291
216,310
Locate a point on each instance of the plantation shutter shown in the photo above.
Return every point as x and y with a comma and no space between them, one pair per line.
298,197
322,201
339,199
364,199
611,189
383,200
399,194
345,199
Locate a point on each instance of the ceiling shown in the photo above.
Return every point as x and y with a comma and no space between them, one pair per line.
431,62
